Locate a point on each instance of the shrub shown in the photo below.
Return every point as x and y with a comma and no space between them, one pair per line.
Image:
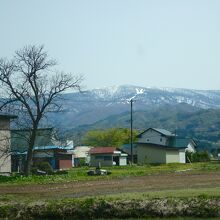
44,166
120,209
82,162
61,172
202,156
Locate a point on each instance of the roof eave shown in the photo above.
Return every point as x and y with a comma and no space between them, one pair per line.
161,146
8,116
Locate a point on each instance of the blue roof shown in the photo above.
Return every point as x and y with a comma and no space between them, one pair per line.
52,147
19,153
43,148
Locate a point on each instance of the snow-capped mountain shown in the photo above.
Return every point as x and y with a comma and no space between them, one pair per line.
92,105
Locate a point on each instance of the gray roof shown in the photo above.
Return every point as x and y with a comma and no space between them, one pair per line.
159,130
163,131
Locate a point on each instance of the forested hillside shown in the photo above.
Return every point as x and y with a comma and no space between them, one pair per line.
185,120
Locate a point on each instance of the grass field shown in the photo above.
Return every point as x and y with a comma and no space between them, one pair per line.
79,174
183,182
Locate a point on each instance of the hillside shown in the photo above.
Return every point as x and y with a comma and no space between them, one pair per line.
185,120
90,106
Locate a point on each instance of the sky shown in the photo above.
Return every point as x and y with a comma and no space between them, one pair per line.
152,43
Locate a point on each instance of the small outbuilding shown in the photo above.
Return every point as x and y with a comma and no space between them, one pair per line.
107,156
57,156
46,149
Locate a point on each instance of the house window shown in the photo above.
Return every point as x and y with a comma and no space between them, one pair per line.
148,140
161,139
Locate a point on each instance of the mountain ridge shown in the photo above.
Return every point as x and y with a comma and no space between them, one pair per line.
90,106
182,119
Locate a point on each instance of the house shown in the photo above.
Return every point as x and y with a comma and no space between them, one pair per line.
107,156
5,143
81,155
46,149
162,146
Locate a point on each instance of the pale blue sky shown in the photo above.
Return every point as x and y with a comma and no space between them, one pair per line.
162,43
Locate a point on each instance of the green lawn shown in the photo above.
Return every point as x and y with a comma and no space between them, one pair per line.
80,174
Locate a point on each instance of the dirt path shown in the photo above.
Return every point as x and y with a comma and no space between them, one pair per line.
131,184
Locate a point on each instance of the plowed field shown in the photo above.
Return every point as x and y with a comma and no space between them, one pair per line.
145,184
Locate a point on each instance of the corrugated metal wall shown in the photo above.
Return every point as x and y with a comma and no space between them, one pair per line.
65,164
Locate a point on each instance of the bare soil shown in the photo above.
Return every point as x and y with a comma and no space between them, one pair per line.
74,189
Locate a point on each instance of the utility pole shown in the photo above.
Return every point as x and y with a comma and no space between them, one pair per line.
131,101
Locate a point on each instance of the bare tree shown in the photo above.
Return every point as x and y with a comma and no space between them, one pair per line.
30,85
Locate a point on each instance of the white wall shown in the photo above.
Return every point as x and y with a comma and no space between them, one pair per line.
122,161
5,143
172,156
182,156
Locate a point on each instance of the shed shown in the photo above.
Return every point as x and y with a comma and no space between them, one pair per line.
107,156
46,148
59,157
